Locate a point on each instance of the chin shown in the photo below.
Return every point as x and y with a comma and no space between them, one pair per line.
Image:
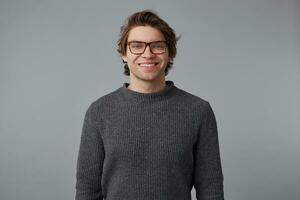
151,77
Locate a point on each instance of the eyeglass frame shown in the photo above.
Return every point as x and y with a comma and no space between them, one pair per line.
148,44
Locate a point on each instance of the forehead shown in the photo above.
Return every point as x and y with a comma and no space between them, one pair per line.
145,34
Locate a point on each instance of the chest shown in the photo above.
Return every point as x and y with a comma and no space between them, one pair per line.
147,136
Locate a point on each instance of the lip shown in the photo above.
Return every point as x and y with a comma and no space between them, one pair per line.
152,66
148,63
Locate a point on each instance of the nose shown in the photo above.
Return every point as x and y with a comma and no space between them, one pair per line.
147,53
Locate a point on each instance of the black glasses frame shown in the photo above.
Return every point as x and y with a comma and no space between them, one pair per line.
147,44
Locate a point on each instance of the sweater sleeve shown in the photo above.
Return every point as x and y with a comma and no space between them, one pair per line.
208,176
90,161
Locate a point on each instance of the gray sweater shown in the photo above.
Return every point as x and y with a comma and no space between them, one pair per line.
154,146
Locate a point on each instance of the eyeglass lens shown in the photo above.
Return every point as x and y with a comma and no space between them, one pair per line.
137,47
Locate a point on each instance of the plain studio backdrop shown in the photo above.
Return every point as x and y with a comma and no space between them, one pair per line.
56,57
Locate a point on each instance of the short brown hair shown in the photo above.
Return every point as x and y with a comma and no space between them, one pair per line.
147,18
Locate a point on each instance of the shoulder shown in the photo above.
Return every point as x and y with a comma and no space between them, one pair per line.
104,103
195,106
107,99
192,100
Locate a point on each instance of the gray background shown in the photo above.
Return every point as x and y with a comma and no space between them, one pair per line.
56,57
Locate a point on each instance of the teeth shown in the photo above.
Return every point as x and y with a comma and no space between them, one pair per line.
147,65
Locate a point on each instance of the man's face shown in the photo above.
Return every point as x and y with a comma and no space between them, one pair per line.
146,66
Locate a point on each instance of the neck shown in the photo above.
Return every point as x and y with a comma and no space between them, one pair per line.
147,86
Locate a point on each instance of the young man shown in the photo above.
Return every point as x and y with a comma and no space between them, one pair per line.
149,140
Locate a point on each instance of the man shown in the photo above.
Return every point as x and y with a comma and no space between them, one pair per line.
149,140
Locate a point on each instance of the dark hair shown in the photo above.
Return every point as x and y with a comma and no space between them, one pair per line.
147,18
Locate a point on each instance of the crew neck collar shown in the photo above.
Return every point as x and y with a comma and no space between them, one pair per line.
148,96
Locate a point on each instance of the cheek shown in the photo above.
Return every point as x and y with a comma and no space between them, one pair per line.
132,60
165,59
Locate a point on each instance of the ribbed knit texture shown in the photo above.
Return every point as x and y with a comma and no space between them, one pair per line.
153,146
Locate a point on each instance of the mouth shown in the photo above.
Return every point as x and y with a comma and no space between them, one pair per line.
148,64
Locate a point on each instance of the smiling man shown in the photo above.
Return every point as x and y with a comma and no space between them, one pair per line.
149,140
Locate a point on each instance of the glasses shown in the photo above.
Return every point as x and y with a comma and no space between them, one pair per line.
138,48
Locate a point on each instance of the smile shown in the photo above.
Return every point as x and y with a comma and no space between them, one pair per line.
147,64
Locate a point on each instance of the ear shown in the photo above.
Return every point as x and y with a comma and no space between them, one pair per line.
124,58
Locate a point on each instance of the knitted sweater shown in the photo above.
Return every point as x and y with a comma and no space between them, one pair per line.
149,146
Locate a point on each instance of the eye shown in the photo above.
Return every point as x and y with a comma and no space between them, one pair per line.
137,45
158,45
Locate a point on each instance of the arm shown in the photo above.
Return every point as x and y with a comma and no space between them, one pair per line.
90,161
208,176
